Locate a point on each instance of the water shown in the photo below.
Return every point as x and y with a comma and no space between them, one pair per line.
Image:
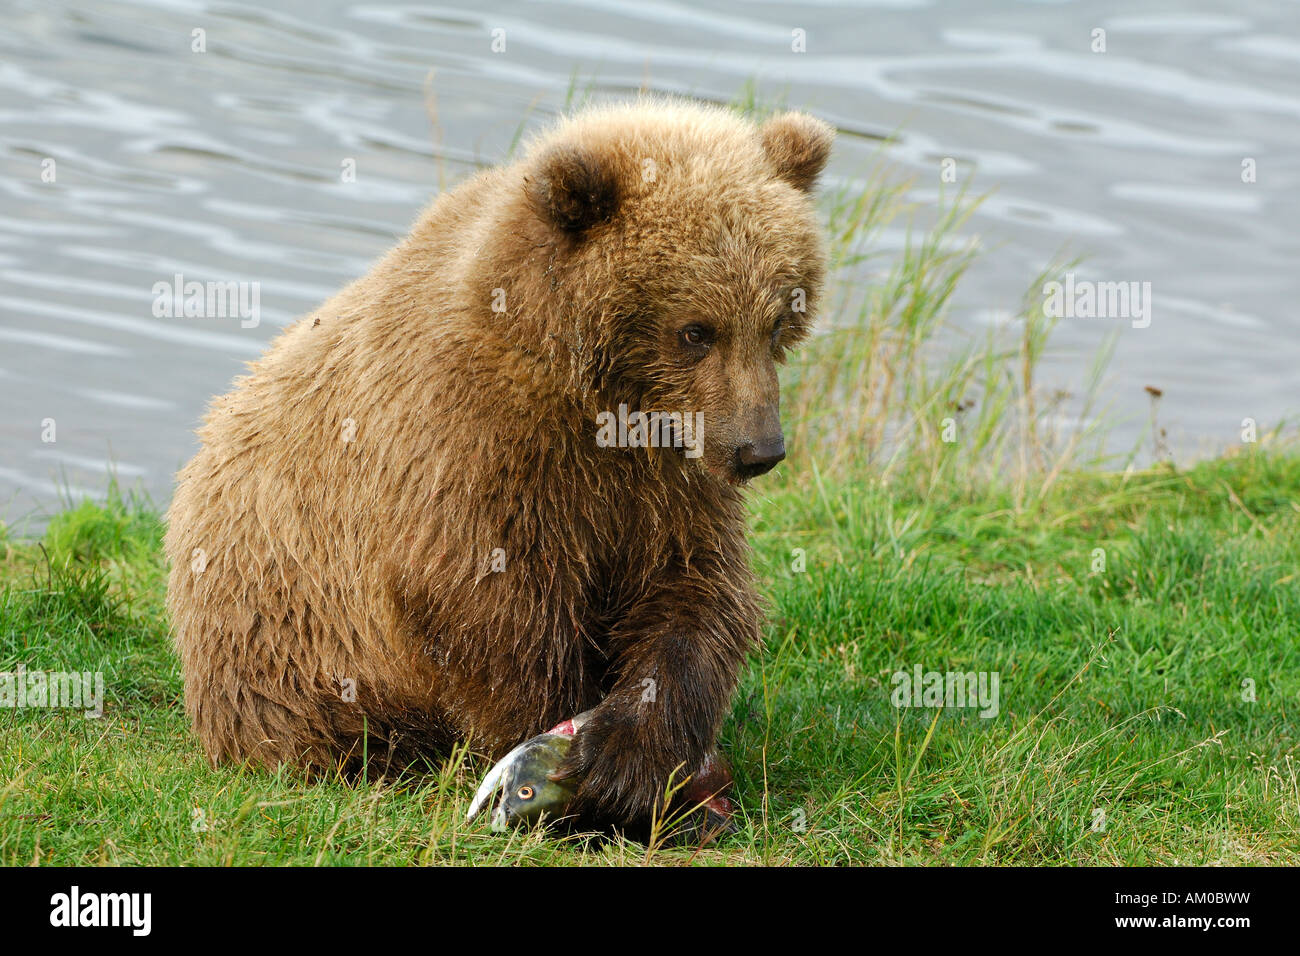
228,165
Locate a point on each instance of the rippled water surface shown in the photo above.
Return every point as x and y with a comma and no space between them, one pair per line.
227,165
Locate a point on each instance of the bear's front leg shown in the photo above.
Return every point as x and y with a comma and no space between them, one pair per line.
677,657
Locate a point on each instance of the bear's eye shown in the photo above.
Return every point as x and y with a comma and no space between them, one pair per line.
696,336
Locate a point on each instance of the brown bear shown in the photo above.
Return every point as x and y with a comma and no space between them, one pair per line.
411,523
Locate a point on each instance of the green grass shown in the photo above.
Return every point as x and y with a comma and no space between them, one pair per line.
1121,692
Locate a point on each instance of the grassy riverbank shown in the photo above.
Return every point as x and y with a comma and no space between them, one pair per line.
1124,732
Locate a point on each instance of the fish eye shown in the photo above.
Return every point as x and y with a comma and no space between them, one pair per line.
525,793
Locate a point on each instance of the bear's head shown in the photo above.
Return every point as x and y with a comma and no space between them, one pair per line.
680,257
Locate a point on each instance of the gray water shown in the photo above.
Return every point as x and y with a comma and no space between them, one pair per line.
229,165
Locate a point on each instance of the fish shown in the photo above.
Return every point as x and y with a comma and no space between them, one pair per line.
523,778
530,796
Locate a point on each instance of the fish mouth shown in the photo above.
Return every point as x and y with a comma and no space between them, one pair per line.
497,779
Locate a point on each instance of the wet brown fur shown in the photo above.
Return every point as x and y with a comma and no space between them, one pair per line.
302,561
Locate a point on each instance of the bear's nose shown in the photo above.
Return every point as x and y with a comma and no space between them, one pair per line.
757,458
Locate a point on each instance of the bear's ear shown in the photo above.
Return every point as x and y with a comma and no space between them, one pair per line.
797,145
573,189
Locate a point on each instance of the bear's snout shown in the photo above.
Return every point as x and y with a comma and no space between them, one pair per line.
760,457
